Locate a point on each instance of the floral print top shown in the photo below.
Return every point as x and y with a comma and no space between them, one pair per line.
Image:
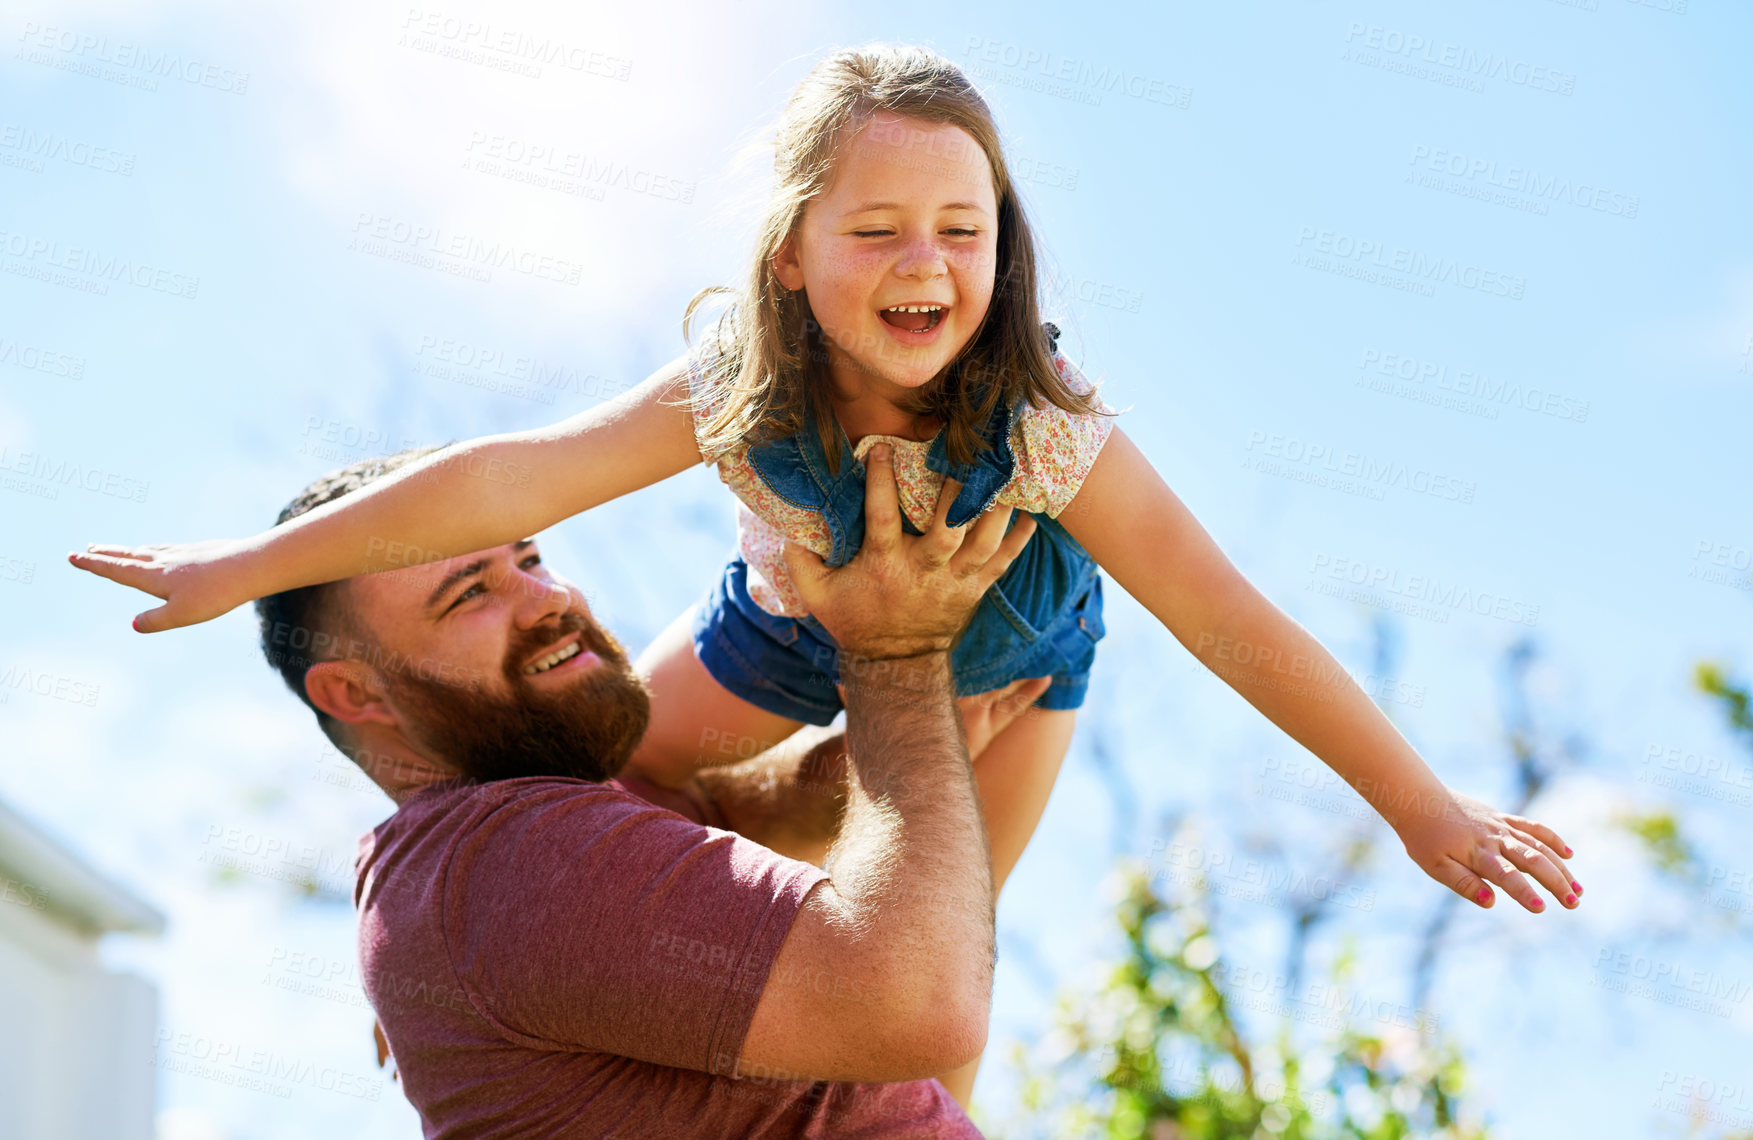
1054,450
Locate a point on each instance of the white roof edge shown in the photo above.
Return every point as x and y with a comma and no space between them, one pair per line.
61,883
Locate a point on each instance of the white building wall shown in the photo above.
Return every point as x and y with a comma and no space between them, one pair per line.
76,1041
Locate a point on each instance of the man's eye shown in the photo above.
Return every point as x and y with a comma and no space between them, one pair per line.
532,560
466,595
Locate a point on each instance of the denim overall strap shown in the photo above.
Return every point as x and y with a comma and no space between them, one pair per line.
986,476
796,469
992,467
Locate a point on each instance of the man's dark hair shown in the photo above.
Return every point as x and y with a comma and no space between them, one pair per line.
300,627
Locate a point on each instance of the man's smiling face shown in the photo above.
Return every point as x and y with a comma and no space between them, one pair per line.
497,667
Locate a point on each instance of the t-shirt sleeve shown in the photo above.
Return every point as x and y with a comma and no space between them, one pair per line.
586,919
1055,449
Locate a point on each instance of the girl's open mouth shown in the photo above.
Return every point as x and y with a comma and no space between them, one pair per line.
913,318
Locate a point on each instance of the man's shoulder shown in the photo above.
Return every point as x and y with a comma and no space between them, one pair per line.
465,806
443,814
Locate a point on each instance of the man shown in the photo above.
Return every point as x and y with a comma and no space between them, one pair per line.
551,955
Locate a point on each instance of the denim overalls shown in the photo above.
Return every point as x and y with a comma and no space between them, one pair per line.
1042,618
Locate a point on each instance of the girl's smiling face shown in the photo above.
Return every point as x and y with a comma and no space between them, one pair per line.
909,220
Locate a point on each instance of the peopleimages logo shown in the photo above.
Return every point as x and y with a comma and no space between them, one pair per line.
257,1070
52,474
119,60
1223,872
558,167
33,147
1420,268
1541,188
1458,59
1424,588
511,49
1083,80
1472,388
433,247
1365,469
97,269
21,678
36,358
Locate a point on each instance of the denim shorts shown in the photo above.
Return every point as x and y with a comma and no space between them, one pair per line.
789,665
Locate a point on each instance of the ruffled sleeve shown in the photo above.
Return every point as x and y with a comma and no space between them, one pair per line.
704,399
1055,449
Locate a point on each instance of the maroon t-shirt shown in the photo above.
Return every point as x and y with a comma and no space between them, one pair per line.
557,958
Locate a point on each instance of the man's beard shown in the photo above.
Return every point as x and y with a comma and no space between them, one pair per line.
586,730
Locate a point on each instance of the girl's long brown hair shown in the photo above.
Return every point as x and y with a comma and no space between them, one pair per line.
773,378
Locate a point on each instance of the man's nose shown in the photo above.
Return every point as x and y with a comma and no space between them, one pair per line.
539,599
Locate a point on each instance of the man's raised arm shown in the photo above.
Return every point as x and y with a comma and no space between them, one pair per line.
791,797
886,972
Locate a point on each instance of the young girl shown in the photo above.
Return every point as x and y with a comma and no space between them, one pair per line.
891,300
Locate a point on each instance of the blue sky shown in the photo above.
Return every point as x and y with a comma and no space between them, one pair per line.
1452,303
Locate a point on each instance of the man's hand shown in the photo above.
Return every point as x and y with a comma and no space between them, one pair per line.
791,797
903,596
985,715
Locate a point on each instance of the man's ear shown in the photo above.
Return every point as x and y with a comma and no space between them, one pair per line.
349,691
786,265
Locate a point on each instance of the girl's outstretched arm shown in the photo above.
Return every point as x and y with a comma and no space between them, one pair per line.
467,497
1142,534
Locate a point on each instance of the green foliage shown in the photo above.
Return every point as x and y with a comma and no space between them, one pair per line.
1157,1053
1662,831
1662,834
1662,840
1711,679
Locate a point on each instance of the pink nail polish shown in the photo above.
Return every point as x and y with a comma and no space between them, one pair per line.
1568,852
136,624
1539,904
1484,895
1569,900
1577,887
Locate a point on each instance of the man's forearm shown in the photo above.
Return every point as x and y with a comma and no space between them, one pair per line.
789,798
911,857
901,930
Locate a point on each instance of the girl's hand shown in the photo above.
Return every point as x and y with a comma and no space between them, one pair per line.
197,580
1469,842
